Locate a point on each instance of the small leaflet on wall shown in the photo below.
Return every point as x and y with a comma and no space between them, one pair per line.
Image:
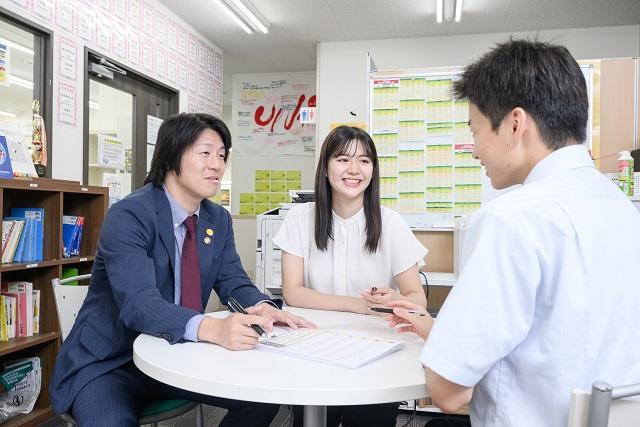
218,68
43,9
182,41
171,68
68,62
202,54
217,95
201,85
147,55
18,143
150,150
148,18
67,104
110,152
210,89
182,75
160,61
119,43
134,14
23,4
134,49
153,125
105,5
113,181
120,9
103,33
172,35
86,23
193,82
65,15
210,61
192,106
161,28
193,49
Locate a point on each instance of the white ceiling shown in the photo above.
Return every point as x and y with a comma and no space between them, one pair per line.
296,26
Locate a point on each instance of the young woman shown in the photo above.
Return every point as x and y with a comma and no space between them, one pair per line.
345,252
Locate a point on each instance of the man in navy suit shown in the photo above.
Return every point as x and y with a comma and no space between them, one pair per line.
137,285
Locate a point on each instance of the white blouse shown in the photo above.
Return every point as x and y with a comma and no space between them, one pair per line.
345,267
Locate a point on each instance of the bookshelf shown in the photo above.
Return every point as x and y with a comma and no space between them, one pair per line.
57,197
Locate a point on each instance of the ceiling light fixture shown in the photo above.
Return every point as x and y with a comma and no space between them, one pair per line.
233,16
448,10
4,113
251,16
458,10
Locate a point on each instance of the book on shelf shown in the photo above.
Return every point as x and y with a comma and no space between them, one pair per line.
72,234
38,239
14,238
36,311
24,298
21,380
7,226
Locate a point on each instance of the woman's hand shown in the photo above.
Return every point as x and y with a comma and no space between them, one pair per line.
380,296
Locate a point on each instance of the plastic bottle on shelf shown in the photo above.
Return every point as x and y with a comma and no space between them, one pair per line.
625,172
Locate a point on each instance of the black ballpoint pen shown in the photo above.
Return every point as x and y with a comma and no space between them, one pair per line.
237,308
390,311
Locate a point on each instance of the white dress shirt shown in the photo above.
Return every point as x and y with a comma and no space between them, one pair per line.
548,298
346,268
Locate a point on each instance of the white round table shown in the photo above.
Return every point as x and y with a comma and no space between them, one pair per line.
263,376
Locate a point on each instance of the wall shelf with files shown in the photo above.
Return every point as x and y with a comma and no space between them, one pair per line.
54,198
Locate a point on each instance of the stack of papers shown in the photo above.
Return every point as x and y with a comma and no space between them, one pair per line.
341,348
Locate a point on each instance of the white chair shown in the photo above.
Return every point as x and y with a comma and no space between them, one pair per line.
69,300
605,406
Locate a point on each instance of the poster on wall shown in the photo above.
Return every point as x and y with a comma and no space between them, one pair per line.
68,58
67,104
266,114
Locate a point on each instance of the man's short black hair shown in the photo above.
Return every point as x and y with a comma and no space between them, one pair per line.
176,135
541,78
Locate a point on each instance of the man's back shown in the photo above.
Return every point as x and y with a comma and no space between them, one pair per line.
552,267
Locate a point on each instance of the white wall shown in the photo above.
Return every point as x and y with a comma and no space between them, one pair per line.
342,66
68,139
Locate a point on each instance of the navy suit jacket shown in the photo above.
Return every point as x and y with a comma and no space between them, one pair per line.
132,287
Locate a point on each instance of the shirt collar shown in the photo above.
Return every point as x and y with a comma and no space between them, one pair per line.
178,214
354,218
570,157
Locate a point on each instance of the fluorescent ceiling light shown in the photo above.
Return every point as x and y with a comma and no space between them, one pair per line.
17,46
252,18
458,10
4,113
233,16
21,82
439,10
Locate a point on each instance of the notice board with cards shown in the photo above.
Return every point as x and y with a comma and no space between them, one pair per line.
425,147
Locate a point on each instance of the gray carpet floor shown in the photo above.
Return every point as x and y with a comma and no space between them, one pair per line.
284,418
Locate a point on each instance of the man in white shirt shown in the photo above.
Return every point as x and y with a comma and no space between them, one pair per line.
548,299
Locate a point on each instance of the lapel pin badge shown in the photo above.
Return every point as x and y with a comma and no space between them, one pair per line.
207,240
209,232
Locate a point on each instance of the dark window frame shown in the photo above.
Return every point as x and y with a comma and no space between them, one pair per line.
42,74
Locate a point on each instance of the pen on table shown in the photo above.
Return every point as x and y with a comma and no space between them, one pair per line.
237,308
390,311
373,290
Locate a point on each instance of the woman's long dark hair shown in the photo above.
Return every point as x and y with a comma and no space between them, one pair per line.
338,143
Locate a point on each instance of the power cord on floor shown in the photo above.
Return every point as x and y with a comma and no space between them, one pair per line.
415,408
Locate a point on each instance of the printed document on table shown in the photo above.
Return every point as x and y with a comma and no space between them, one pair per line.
335,347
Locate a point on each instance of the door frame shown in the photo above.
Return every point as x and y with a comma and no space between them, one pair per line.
174,101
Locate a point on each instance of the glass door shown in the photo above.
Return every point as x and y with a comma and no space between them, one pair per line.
111,139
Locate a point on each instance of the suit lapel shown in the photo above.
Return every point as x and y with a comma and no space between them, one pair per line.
165,224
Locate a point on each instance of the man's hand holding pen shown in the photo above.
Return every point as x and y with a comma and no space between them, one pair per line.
410,317
242,329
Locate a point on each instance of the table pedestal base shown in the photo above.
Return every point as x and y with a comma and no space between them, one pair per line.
315,416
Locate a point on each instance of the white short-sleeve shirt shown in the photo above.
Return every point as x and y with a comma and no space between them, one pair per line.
548,298
346,268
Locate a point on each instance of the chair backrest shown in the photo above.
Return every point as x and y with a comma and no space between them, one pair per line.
69,299
617,407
